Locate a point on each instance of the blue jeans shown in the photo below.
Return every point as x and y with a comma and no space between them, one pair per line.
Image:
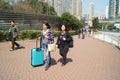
48,56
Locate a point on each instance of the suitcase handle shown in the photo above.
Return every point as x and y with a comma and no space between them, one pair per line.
37,48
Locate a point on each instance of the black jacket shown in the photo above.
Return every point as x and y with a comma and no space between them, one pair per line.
63,42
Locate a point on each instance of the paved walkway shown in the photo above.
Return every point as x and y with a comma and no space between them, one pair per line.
90,59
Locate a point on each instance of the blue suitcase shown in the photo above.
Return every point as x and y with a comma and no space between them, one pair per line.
37,56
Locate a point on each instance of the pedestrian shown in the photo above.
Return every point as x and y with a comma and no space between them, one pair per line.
89,32
63,43
79,31
13,35
47,38
83,33
92,33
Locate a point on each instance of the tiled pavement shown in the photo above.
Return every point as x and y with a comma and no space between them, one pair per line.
90,59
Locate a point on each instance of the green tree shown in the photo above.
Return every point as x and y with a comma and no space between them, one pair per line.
70,20
41,7
51,11
5,5
23,7
96,23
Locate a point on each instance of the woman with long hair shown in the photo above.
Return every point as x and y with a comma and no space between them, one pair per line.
63,43
47,38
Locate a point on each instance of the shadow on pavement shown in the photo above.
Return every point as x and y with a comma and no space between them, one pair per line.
117,47
21,47
68,60
53,62
17,48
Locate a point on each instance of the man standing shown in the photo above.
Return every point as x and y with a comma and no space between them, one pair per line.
79,31
83,33
14,32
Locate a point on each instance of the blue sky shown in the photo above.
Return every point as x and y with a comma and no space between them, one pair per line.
100,5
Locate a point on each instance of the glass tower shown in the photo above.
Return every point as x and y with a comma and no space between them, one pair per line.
113,8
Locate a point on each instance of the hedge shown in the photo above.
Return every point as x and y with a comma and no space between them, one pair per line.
3,35
28,34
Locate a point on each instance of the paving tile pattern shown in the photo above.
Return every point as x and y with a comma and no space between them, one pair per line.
90,59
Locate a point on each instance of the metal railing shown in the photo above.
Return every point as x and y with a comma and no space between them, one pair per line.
25,20
110,37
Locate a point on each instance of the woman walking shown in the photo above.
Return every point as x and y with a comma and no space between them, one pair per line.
47,38
63,43
89,32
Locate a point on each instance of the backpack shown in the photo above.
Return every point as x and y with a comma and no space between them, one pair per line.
71,42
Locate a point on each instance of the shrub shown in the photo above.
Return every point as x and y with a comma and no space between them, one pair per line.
3,35
72,32
35,34
29,34
56,33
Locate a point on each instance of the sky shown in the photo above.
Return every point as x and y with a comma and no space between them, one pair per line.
100,6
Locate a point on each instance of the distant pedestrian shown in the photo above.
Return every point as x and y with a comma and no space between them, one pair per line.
47,38
79,32
83,33
89,32
13,34
63,43
92,33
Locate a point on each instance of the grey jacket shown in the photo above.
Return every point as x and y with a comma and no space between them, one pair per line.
14,31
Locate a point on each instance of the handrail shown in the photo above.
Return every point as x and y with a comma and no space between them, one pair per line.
113,38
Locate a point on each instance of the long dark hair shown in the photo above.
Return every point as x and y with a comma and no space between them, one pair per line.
66,27
47,24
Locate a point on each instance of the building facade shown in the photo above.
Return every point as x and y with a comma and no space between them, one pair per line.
107,12
59,6
81,8
92,11
74,7
118,8
112,8
50,2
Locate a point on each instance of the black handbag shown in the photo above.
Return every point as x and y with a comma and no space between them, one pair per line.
71,43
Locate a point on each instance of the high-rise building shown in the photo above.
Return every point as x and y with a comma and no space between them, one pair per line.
12,1
92,10
107,12
118,8
59,5
77,8
43,0
67,6
81,8
50,2
112,8
53,3
62,6
74,7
